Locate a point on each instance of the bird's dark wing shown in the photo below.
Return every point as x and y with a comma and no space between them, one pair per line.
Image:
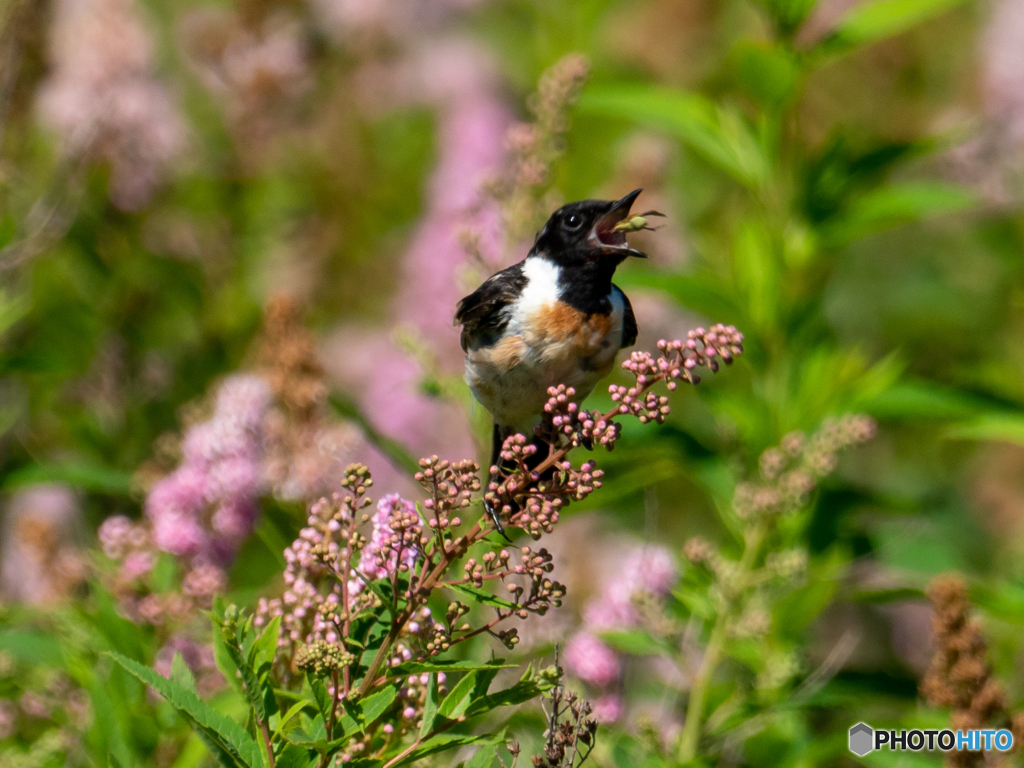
629,329
482,315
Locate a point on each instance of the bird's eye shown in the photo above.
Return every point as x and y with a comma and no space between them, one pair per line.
573,222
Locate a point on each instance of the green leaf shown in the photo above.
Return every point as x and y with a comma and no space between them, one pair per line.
768,73
870,22
320,695
483,596
181,674
788,14
444,665
294,756
32,647
895,204
635,642
225,661
250,681
718,134
376,705
701,292
482,758
922,400
88,476
227,739
429,707
265,649
292,712
458,699
443,742
522,691
110,725
1002,427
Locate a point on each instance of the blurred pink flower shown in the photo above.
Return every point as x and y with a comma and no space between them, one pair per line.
591,660
254,68
8,718
608,708
135,565
103,100
355,20
460,81
646,570
197,657
114,535
206,508
1003,62
40,559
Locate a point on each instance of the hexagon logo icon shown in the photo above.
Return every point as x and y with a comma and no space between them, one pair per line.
862,738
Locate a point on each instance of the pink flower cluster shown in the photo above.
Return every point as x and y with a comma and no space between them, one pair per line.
103,99
386,548
207,507
647,572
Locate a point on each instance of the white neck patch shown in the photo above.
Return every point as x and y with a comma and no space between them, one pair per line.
541,289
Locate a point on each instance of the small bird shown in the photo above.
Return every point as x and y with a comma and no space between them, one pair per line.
553,318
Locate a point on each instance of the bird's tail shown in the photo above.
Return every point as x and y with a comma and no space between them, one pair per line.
497,440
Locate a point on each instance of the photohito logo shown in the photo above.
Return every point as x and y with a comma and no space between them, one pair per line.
864,739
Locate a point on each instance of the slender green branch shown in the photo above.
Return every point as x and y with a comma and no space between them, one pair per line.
690,738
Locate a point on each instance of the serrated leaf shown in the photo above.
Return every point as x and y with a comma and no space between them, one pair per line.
522,691
443,742
483,596
429,707
265,648
181,674
458,699
376,705
293,756
224,735
320,694
250,681
419,667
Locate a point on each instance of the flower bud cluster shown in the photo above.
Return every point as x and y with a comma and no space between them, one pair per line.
491,563
450,486
529,490
322,658
792,470
322,577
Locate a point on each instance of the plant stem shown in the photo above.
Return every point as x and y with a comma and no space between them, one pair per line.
716,644
266,739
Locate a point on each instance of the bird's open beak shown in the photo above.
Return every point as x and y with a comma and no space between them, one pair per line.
605,236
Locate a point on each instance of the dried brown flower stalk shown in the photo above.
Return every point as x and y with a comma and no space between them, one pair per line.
960,677
521,191
304,445
288,360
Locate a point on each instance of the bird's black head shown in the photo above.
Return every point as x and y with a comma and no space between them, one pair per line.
585,231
